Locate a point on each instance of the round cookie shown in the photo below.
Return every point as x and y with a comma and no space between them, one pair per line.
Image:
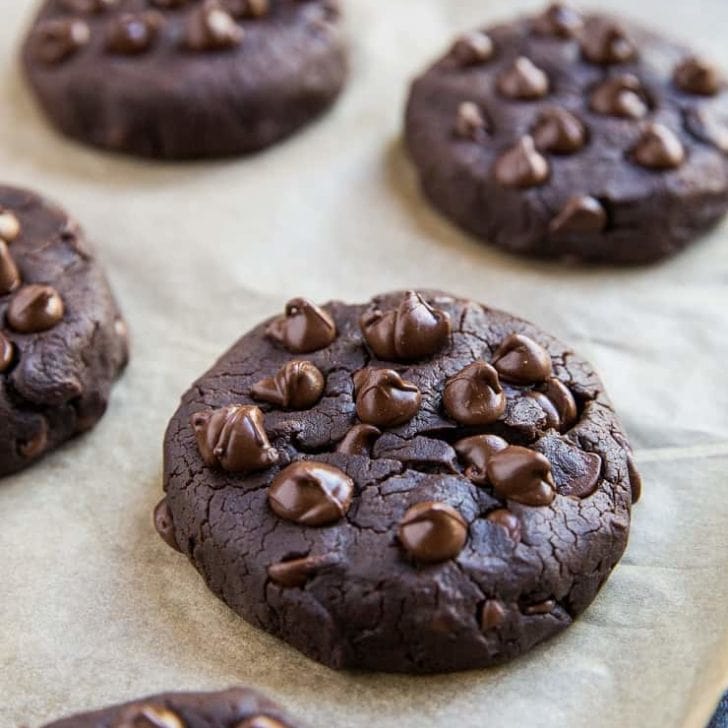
233,708
576,137
183,79
417,484
62,339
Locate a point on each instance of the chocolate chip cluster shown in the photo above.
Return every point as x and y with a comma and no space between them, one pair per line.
313,494
156,715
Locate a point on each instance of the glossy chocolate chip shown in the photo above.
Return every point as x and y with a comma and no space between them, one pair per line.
211,28
297,385
580,215
575,471
471,49
560,20
247,8
606,43
131,34
635,479
508,521
622,96
538,608
55,41
9,225
697,76
492,615
35,308
708,127
164,524
9,274
522,475
558,131
523,81
305,327
658,148
471,122
384,399
311,493
474,396
294,573
234,438
148,716
475,451
413,330
522,165
557,401
521,360
260,721
6,352
432,532
359,440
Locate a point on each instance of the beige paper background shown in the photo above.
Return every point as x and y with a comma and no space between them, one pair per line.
95,609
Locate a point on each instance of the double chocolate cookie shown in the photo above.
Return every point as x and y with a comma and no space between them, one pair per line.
185,78
573,136
417,484
62,338
234,708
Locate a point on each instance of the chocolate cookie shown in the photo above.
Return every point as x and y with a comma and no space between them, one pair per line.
62,338
234,708
417,484
183,79
573,136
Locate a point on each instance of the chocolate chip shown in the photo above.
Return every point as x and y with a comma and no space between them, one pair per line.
88,7
9,274
522,475
164,524
508,521
57,40
37,444
560,20
575,471
260,721
475,452
432,532
544,607
384,399
697,76
6,352
211,28
297,385
413,330
521,165
234,438
247,8
305,327
635,479
311,493
131,34
359,440
148,716
492,615
9,225
471,123
580,215
523,81
622,96
471,49
35,308
474,396
658,148
557,401
558,131
521,360
295,573
606,43
707,127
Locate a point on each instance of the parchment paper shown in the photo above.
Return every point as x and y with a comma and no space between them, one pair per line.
94,608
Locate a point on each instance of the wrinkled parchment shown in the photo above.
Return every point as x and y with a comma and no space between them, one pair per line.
94,608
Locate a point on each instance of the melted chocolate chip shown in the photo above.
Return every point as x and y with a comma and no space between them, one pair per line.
260,721
492,615
658,148
35,308
559,132
523,81
359,440
297,385
305,327
471,123
471,49
247,8
575,471
413,330
234,439
557,401
622,96
9,225
606,43
580,215
131,34
164,524
149,716
696,76
522,165
211,28
57,40
474,396
508,521
635,479
521,360
6,352
384,399
294,573
475,452
544,607
432,532
560,20
9,274
311,493
522,475
706,126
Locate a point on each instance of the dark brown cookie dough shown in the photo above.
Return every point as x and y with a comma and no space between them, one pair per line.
444,508
575,137
62,339
181,79
234,708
